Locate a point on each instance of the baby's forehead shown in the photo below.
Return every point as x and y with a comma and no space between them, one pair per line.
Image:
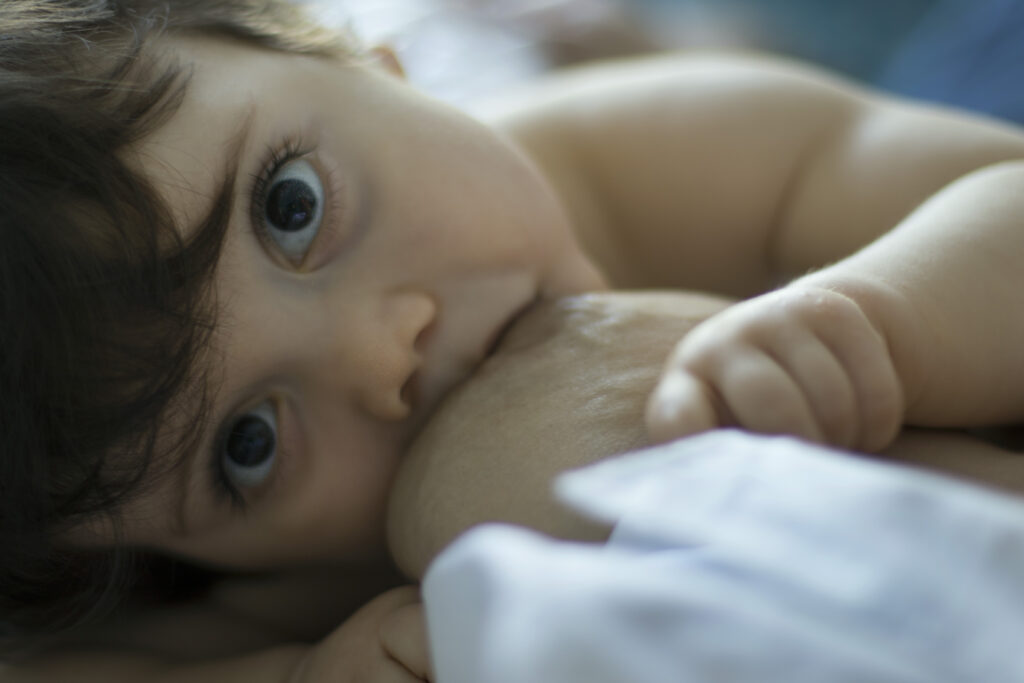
193,152
227,88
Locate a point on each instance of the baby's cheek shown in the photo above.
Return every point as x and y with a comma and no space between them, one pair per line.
335,505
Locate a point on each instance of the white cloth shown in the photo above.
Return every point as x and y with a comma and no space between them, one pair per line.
738,559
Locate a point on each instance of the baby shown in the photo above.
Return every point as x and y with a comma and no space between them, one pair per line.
246,261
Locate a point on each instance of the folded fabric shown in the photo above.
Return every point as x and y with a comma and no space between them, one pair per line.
739,558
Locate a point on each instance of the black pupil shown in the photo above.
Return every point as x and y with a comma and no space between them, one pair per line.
291,205
251,442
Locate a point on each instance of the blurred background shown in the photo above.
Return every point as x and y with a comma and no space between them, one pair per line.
967,53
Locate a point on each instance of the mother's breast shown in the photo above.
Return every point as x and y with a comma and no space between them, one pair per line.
567,387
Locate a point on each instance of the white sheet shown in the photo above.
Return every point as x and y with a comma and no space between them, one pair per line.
739,559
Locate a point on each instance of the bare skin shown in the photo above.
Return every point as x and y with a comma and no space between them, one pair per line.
730,175
905,216
567,388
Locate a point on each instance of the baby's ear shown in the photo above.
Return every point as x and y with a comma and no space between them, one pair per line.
384,55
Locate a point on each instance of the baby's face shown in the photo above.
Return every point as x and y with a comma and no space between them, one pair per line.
378,243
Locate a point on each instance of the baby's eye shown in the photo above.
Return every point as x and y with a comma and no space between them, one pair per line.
250,448
293,208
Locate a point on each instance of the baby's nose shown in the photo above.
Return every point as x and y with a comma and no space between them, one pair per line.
388,381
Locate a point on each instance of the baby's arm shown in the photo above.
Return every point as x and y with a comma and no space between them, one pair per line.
734,175
268,666
919,328
384,642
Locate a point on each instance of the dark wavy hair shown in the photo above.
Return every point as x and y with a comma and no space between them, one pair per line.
104,305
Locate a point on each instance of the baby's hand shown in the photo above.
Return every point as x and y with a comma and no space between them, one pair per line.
384,642
802,361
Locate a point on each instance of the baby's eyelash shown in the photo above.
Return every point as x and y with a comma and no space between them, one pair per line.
273,160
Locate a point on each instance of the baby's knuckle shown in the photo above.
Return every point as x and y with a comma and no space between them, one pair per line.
836,424
701,357
789,419
832,416
762,405
881,420
815,306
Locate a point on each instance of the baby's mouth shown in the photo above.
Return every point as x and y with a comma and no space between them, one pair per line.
501,333
426,395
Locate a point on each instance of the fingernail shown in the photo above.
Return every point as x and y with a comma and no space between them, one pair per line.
670,389
668,399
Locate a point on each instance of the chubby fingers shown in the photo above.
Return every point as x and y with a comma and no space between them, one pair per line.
825,384
681,405
804,363
403,634
376,644
750,389
866,362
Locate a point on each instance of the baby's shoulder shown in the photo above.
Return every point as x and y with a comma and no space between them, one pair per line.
618,141
703,80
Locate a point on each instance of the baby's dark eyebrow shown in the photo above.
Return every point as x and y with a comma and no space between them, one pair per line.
213,225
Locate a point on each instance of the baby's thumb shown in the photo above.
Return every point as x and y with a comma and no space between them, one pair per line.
403,633
679,406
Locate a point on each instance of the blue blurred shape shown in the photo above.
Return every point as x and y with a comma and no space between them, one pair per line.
968,53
